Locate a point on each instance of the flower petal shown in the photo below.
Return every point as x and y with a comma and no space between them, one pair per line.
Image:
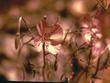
37,38
54,42
56,30
41,27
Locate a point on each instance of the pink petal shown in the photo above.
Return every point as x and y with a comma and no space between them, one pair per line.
37,38
41,27
56,29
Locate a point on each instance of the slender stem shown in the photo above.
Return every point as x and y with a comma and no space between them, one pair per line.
89,59
27,27
106,62
98,64
97,68
43,69
55,64
79,76
20,48
74,52
23,75
65,36
61,78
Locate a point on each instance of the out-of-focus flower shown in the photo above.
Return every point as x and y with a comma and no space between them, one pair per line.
33,5
91,28
97,48
77,7
103,17
81,7
45,31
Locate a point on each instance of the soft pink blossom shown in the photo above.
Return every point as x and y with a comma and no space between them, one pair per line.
45,31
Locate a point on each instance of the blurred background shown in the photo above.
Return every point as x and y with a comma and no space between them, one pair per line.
70,12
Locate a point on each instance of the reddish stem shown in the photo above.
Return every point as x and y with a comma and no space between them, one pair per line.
43,69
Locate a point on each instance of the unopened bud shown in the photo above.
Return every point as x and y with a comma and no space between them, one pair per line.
45,17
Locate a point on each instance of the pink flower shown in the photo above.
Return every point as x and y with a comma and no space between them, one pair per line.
45,31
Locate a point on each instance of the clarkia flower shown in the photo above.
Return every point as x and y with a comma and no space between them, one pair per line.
45,31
